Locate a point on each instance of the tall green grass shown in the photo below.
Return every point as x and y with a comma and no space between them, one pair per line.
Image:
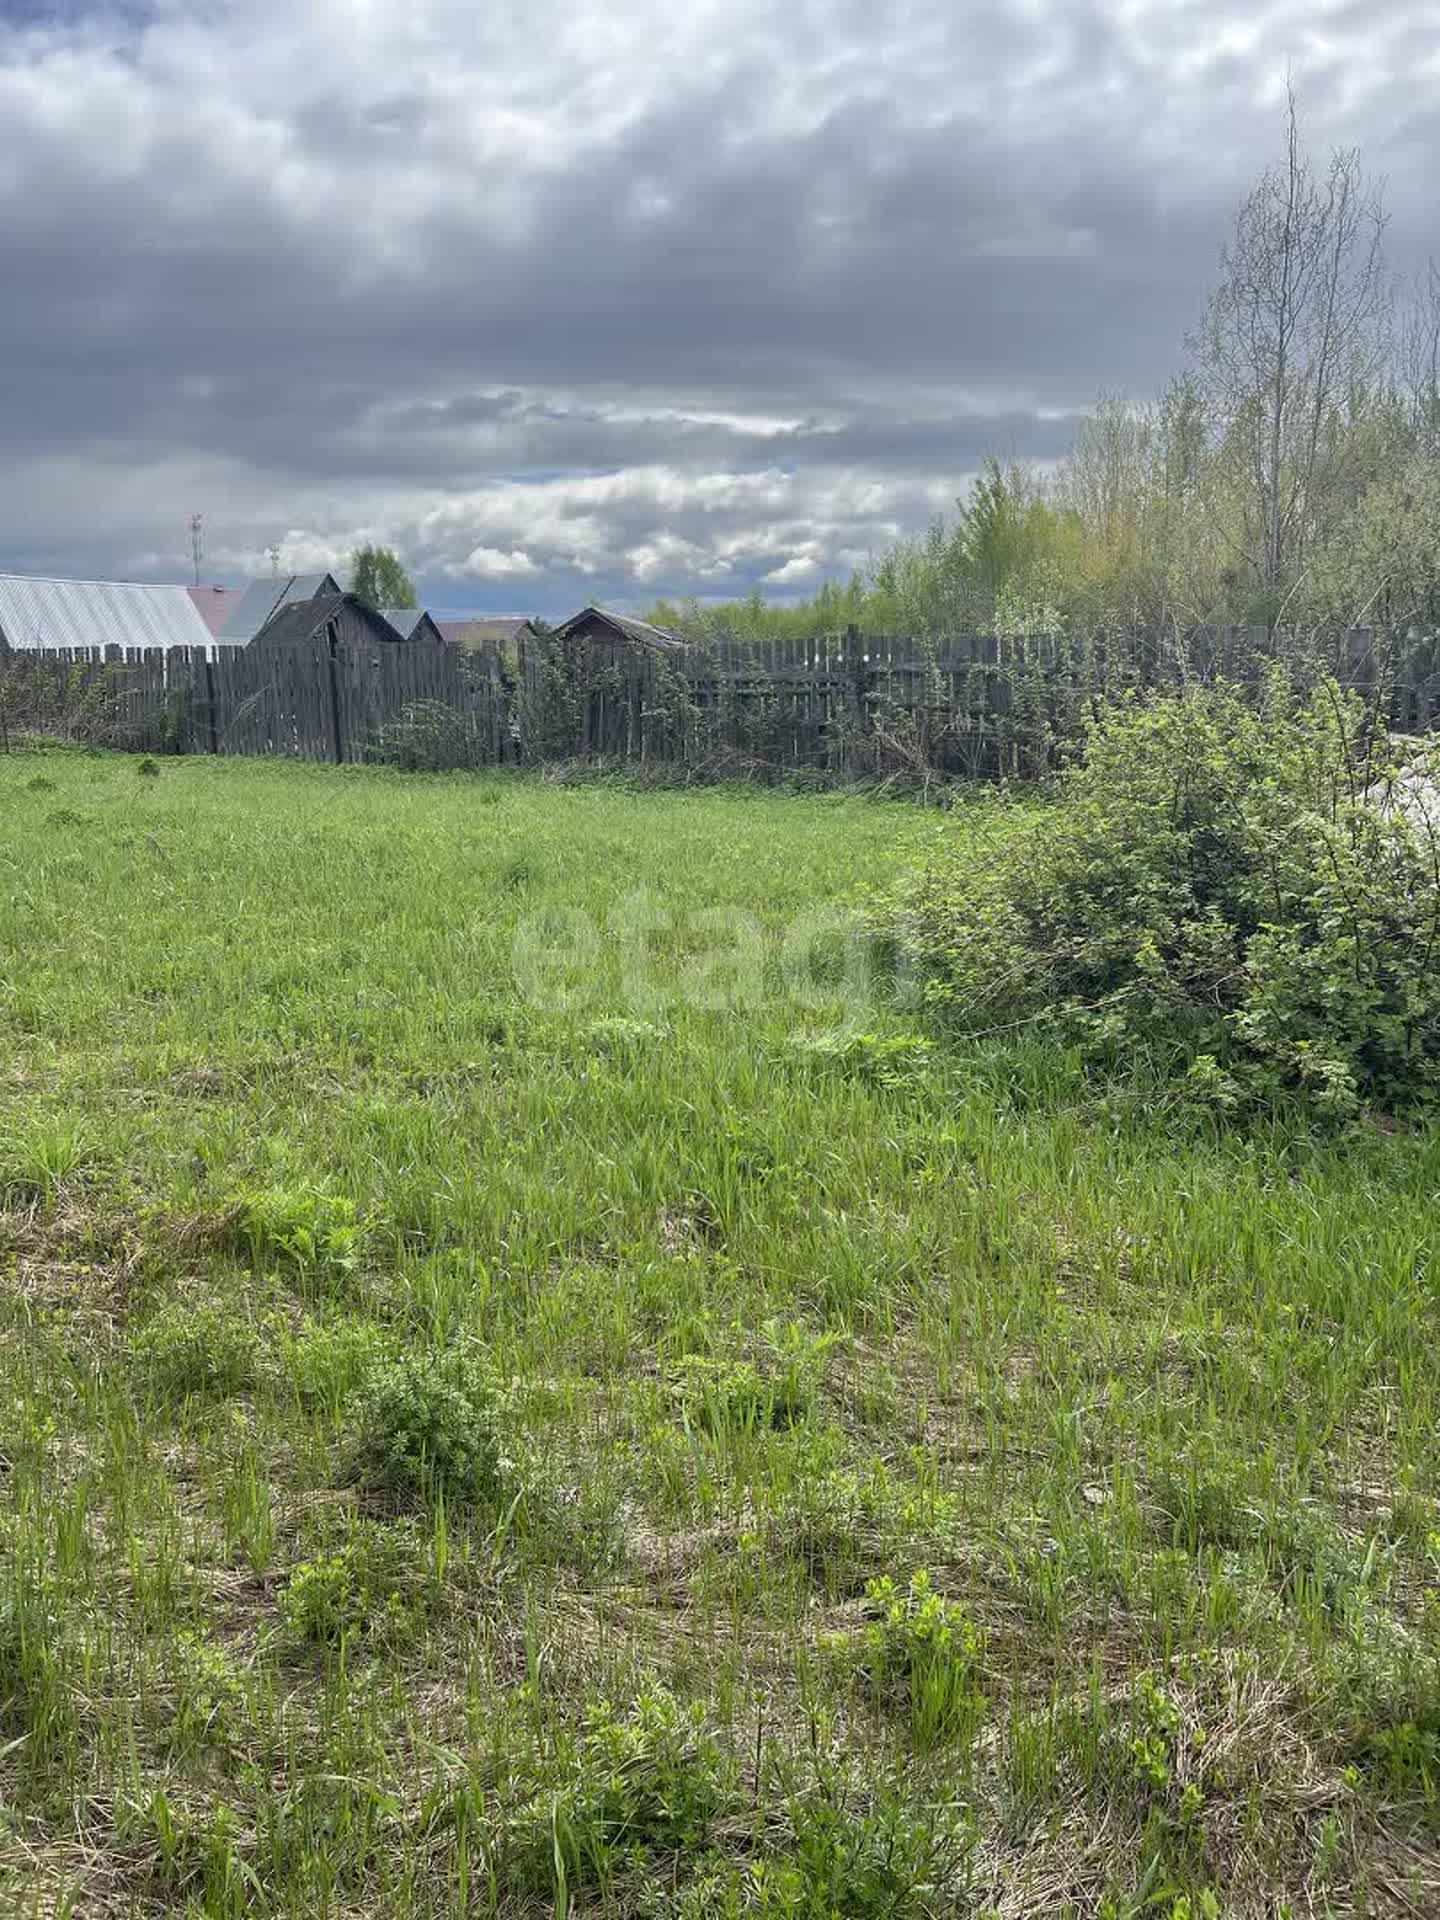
912,1483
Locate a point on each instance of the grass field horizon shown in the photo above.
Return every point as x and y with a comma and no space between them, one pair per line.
910,1481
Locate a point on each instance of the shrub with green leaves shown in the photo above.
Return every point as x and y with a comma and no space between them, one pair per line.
1220,895
829,1858
426,736
892,1060
208,1696
324,1361
721,1397
370,1584
430,1425
327,1598
728,1397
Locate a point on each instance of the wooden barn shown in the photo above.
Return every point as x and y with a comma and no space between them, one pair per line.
601,630
505,632
334,620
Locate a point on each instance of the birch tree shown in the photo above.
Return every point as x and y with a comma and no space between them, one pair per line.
1294,331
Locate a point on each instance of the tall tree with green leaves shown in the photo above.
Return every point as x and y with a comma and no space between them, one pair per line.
377,578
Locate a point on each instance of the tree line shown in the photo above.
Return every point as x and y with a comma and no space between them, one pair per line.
1289,475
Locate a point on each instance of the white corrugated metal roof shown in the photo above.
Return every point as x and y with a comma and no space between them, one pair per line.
96,613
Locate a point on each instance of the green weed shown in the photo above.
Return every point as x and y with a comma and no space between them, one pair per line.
304,1229
186,1349
431,1425
653,1780
922,1652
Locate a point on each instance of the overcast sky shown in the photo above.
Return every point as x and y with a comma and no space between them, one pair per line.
573,299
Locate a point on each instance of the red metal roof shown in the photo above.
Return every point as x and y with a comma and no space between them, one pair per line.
215,604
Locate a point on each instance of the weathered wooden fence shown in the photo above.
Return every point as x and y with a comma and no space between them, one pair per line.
848,703
417,705
963,704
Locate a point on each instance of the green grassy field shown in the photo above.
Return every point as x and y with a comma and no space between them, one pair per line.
917,1485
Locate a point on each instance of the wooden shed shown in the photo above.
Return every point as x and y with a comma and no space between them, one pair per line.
259,603
506,633
335,620
600,628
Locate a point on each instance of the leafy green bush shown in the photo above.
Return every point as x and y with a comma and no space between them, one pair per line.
892,1060
824,1524
208,1697
430,1425
371,1584
727,1397
325,1361
1222,895
886,1858
893,1859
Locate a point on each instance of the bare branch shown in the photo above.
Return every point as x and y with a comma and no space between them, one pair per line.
1294,329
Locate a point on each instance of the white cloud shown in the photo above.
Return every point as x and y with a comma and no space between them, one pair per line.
802,569
489,563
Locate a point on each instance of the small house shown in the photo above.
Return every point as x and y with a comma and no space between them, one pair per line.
327,621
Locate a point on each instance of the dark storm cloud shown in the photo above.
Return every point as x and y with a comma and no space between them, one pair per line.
624,300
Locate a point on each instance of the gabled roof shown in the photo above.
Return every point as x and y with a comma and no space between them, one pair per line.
624,627
412,623
304,622
36,612
263,597
215,604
